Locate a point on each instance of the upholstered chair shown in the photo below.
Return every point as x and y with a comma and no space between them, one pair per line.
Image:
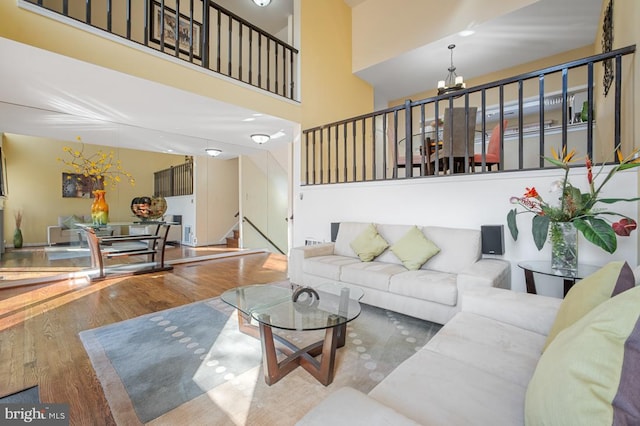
457,139
492,154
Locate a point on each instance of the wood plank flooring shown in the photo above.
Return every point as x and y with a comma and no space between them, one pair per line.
39,325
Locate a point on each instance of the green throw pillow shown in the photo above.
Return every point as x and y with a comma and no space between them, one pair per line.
414,249
69,222
369,244
589,373
586,294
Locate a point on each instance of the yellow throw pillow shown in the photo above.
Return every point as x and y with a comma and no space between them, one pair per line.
414,249
369,244
586,294
589,373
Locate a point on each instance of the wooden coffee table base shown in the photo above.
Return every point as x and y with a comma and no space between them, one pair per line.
275,370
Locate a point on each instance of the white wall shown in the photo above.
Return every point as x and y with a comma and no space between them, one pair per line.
460,201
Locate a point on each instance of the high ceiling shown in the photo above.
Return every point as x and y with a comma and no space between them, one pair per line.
115,109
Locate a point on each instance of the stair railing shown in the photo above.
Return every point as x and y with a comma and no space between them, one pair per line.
207,35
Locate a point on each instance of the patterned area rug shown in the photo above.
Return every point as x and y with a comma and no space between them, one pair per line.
191,364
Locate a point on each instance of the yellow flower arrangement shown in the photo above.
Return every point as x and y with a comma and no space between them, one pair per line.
102,167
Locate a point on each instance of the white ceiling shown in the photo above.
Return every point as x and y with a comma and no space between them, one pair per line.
73,98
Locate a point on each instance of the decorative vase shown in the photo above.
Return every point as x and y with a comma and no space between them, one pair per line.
17,238
564,246
99,208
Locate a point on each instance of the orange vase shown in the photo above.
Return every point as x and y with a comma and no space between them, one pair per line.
99,208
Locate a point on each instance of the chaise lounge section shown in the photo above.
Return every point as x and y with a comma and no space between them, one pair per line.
512,358
417,271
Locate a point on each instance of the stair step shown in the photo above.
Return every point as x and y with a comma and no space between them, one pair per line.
236,234
232,242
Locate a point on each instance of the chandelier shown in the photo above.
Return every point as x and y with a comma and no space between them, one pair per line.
453,81
262,3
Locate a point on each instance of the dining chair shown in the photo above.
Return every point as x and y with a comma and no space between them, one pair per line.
492,154
458,135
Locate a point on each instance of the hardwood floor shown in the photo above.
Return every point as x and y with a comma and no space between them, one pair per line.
39,325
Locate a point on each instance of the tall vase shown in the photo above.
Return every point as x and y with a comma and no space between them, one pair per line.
17,238
99,208
564,246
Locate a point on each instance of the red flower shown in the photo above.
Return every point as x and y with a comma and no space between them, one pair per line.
531,193
589,170
624,227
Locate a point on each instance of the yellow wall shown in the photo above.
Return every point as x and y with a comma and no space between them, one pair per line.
330,91
35,183
20,24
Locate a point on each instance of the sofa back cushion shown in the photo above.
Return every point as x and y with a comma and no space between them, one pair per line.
348,232
392,234
459,248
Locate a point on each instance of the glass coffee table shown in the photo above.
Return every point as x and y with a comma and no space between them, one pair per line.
264,307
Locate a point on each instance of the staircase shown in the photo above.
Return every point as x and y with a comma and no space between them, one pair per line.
232,242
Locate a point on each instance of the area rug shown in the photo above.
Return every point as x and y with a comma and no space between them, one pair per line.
27,396
191,365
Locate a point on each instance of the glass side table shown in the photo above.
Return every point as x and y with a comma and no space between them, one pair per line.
531,267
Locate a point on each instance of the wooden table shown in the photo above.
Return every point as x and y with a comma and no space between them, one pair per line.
101,247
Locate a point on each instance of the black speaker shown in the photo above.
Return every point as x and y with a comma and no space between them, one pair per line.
334,230
492,239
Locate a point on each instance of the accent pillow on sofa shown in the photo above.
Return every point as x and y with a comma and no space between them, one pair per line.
414,249
589,373
586,294
369,244
68,222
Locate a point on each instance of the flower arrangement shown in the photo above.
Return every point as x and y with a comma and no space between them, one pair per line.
575,206
101,167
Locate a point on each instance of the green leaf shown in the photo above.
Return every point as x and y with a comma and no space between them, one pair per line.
615,200
540,230
598,232
511,222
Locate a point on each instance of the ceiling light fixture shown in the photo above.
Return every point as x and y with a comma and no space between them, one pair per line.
260,138
213,152
262,3
453,81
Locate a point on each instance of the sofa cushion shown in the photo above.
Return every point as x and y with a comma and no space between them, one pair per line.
589,373
327,266
369,244
434,286
370,274
459,248
586,294
69,222
414,249
435,389
500,349
347,232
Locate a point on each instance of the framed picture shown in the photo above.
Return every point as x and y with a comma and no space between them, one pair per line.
78,186
170,28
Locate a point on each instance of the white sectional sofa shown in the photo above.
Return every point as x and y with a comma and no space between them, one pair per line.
513,358
430,292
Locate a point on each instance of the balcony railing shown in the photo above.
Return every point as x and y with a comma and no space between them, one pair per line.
207,35
543,109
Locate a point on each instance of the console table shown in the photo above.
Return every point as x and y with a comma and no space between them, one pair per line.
106,246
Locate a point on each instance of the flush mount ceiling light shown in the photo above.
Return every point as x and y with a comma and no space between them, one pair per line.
213,152
260,138
262,3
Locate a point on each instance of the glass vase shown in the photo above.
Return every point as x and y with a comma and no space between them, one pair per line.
99,208
564,247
